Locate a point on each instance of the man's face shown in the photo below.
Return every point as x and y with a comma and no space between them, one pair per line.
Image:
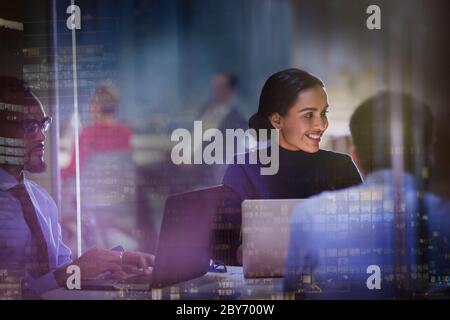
35,141
23,125
220,88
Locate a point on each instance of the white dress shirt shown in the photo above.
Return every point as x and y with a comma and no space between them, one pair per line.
15,236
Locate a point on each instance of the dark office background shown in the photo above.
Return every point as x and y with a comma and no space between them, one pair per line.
161,55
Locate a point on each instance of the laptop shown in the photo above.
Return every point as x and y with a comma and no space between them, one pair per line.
184,246
265,236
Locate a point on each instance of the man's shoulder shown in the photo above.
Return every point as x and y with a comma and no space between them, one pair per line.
41,192
328,200
235,119
438,210
35,186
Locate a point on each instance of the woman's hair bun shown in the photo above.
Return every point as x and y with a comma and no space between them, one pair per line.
258,122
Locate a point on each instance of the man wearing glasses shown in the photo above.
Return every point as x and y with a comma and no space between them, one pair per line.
32,252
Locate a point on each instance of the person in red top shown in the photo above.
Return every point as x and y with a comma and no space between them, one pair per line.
105,134
107,176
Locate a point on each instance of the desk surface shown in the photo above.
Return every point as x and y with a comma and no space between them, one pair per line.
230,285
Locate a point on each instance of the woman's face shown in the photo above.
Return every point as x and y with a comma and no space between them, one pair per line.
306,121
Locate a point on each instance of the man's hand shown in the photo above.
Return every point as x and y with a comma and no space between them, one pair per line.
135,262
97,260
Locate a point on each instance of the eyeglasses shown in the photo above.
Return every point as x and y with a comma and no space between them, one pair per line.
32,126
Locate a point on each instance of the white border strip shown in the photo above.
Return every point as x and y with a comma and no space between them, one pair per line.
77,142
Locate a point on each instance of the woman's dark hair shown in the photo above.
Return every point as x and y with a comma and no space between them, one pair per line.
279,94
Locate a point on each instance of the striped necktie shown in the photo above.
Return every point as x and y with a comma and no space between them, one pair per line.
30,216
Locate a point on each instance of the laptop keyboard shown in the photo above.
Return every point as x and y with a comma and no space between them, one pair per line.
138,279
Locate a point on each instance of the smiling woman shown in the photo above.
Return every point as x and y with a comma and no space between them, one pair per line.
295,102
304,124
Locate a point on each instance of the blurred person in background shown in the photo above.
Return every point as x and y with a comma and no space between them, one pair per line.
221,112
105,132
107,175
